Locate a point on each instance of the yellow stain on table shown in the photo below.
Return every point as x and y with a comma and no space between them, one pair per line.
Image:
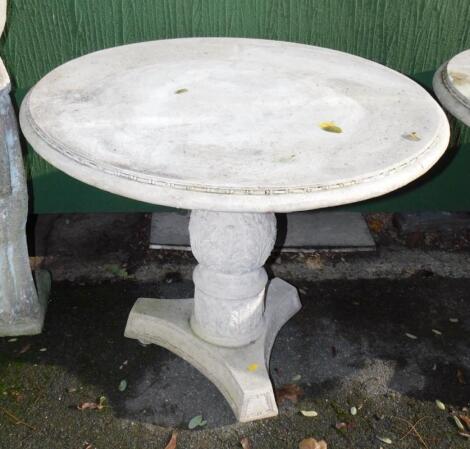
330,127
253,367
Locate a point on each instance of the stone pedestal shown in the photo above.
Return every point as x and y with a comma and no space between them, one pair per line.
228,329
21,309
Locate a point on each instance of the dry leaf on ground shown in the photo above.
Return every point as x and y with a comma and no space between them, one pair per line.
309,413
100,405
25,348
291,392
246,443
458,423
89,406
466,420
172,443
376,225
312,443
313,261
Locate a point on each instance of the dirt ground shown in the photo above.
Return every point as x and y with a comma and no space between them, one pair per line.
348,347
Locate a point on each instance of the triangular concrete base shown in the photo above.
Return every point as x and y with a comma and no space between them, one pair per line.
241,374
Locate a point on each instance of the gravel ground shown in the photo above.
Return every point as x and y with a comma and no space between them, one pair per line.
347,348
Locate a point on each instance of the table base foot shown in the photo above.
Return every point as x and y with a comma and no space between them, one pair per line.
241,374
32,323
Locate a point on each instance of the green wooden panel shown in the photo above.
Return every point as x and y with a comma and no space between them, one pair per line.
412,36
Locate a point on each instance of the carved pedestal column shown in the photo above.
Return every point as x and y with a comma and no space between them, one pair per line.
230,280
228,329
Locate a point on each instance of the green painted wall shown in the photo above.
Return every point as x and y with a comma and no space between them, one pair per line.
412,36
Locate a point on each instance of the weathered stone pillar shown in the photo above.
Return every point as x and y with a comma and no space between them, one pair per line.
230,281
21,311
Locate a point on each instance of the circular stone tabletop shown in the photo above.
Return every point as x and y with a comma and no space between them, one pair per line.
452,86
234,124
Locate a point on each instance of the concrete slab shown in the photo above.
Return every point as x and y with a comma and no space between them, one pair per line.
436,221
299,231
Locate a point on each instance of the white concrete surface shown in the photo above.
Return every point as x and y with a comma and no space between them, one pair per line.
241,374
452,86
234,124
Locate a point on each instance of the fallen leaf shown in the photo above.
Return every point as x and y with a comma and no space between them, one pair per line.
458,423
341,425
384,440
252,368
12,340
172,443
296,378
89,406
291,392
460,376
309,413
412,336
466,420
122,385
436,331
454,320
100,405
413,136
353,411
17,395
464,434
314,261
43,350
375,224
246,443
440,405
330,127
196,421
36,262
25,348
312,443
117,271
181,91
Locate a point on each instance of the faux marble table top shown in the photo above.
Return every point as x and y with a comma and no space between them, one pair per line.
234,124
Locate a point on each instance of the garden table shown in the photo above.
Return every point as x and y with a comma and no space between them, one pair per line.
235,130
452,85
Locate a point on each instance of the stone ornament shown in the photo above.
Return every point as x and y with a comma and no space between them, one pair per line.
21,309
235,130
452,86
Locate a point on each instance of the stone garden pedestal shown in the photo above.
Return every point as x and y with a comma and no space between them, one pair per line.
21,309
235,130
